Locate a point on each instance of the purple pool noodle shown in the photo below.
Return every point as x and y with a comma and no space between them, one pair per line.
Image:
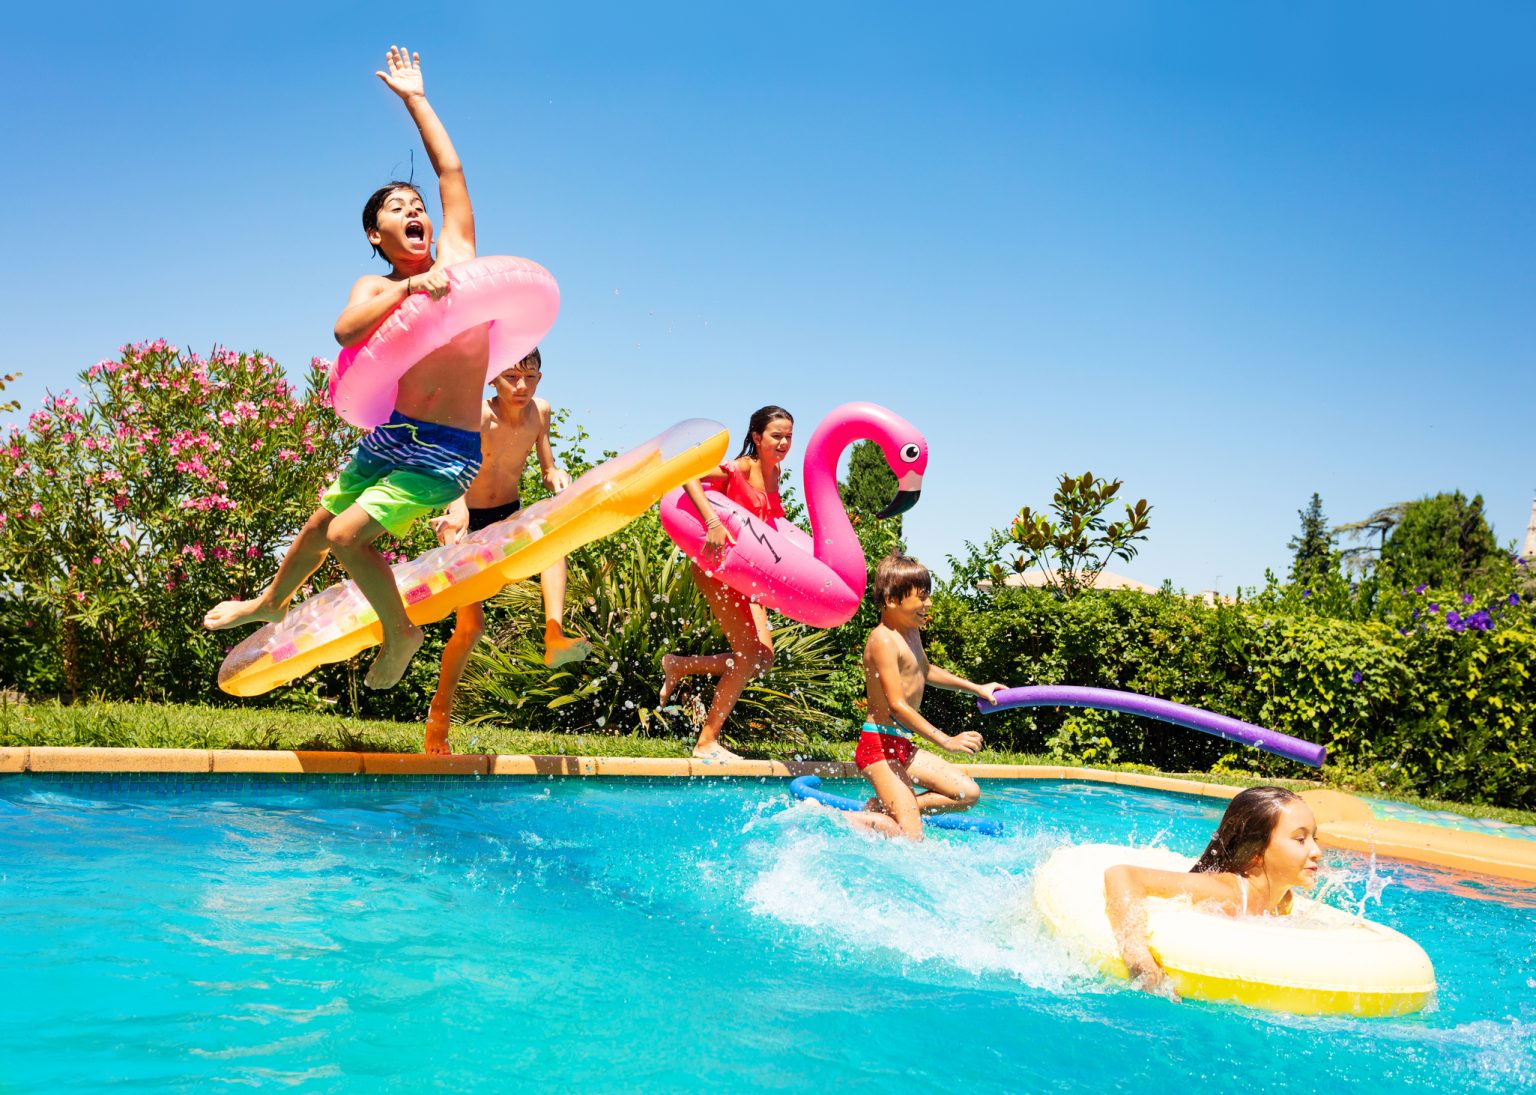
1105,699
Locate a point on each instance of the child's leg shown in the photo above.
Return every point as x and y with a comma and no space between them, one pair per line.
725,604
468,626
351,536
746,628
894,787
302,559
946,788
558,648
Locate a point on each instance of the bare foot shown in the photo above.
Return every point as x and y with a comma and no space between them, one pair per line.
669,679
390,662
560,649
436,741
234,613
714,751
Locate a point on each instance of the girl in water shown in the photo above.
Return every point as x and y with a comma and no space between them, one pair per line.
752,482
1265,846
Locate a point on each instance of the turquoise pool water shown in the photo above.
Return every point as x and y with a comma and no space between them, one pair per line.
508,935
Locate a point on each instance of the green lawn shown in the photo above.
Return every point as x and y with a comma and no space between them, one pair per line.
189,726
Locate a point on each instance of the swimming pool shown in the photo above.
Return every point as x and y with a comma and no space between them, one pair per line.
396,934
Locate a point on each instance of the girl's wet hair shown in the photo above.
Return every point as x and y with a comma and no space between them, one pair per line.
758,423
376,201
1245,829
898,575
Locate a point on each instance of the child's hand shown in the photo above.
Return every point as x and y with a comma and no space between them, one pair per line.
404,76
557,479
967,741
716,537
989,691
434,283
449,527
1148,976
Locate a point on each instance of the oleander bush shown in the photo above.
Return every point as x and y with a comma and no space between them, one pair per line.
170,482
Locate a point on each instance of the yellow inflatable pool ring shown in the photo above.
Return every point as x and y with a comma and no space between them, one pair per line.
1317,961
338,622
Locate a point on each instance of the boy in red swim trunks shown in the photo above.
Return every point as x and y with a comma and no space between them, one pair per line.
428,452
514,425
895,673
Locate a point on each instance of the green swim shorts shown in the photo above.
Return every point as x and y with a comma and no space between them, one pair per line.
405,469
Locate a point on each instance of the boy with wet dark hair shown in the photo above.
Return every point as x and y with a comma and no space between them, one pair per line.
895,672
428,452
375,202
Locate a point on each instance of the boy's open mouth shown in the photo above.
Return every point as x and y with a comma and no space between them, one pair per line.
415,230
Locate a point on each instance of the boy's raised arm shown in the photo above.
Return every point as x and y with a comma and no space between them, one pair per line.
405,80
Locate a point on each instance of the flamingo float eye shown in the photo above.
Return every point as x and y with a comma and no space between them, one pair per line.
910,452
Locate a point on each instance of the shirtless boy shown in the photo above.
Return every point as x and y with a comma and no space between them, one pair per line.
895,673
513,424
428,452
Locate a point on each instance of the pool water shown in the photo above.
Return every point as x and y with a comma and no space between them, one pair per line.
596,935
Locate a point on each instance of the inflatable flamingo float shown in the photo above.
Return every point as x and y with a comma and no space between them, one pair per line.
817,579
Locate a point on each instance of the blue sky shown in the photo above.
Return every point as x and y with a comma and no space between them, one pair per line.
1231,254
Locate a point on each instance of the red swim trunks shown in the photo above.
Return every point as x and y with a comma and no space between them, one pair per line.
878,742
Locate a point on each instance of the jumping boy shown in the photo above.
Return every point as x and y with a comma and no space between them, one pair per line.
513,424
895,672
428,452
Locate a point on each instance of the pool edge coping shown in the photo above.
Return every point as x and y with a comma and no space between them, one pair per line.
1345,821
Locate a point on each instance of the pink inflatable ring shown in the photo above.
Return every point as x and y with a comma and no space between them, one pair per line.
517,297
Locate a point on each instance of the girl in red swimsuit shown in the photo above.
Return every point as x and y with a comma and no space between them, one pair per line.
751,481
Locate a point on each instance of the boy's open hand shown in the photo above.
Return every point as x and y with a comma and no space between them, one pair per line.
967,741
449,527
556,480
404,75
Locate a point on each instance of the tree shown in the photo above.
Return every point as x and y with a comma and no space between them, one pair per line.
1313,557
1363,557
869,488
1079,542
1442,540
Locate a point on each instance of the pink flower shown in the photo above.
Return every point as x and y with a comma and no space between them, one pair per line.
35,509
96,560
80,597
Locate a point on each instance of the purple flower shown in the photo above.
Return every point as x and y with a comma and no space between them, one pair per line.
1306,593
1434,606
1356,676
1453,618
1418,589
1403,630
1480,621
1415,614
1514,598
1466,598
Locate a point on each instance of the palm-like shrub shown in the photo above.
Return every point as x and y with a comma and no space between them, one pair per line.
632,595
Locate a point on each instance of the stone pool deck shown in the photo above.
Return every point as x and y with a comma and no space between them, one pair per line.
1344,821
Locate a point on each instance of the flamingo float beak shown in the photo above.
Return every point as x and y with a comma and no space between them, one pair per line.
909,489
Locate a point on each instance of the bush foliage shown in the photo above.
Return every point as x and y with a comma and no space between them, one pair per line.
1422,696
174,481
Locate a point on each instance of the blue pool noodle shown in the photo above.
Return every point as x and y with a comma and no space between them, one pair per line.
810,787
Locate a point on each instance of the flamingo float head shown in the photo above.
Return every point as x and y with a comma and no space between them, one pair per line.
906,451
